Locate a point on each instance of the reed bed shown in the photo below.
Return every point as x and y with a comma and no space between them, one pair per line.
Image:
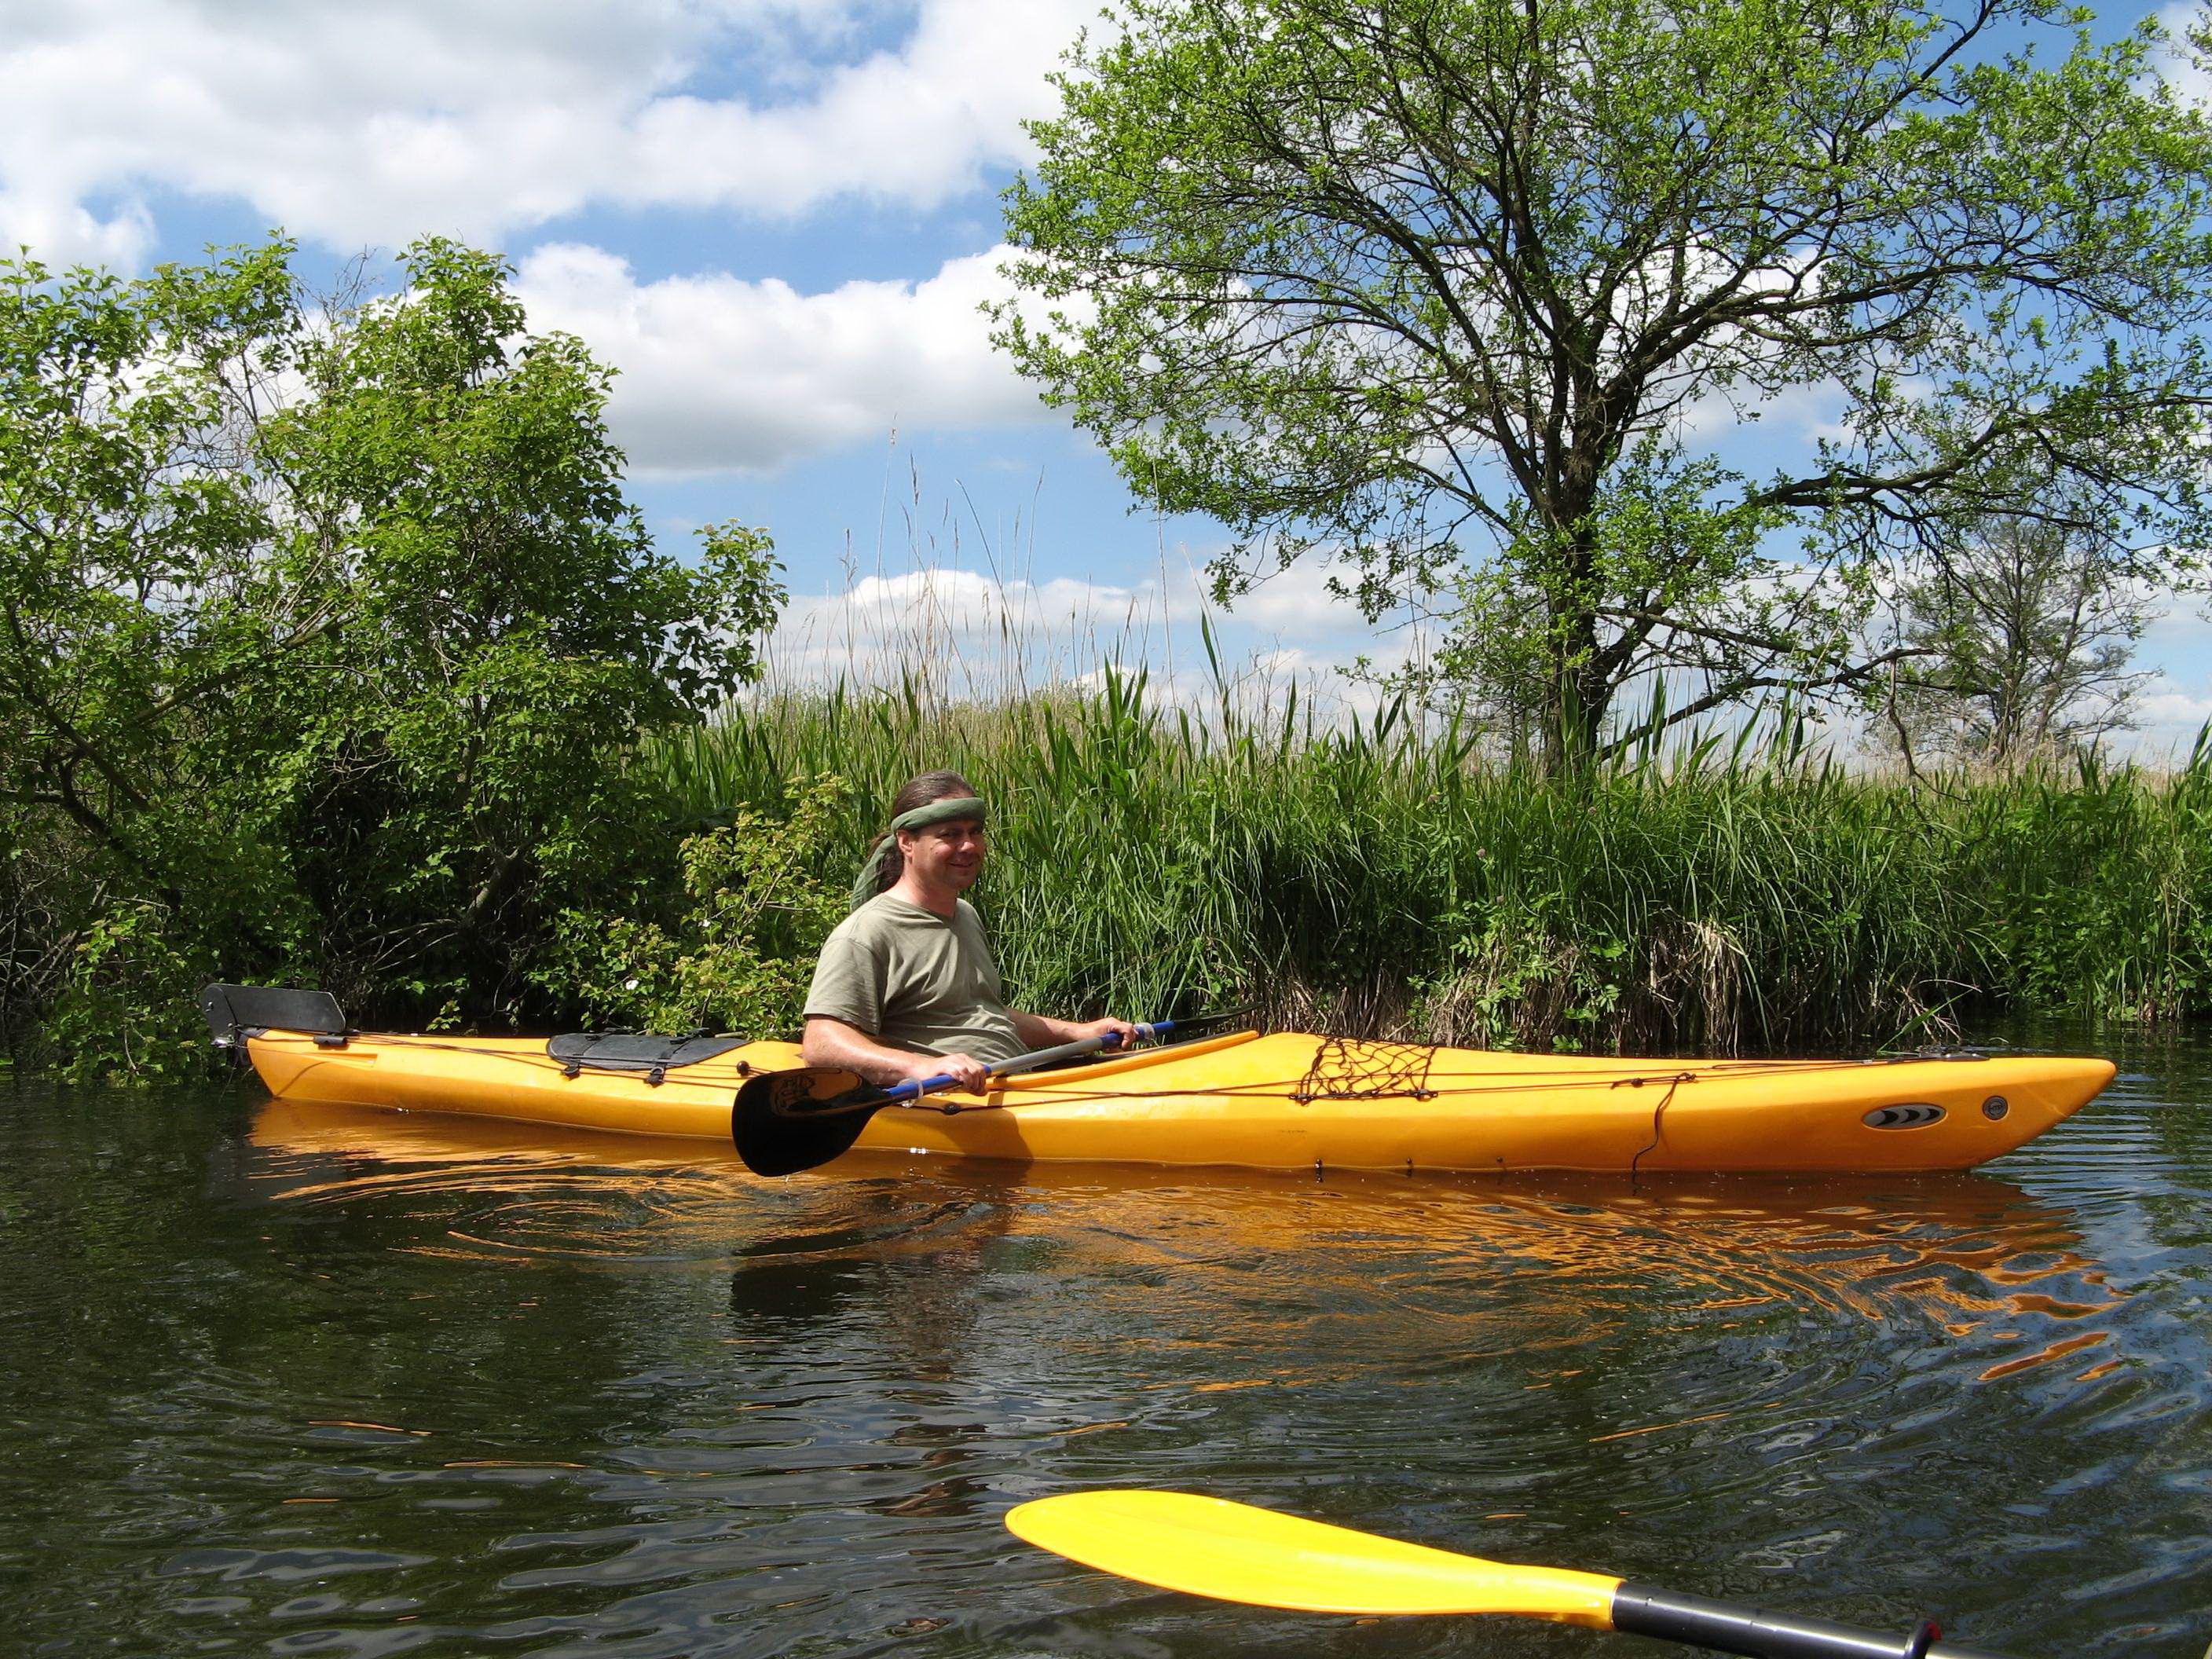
1384,877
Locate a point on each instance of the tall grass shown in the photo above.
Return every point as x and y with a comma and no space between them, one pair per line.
2099,885
1377,877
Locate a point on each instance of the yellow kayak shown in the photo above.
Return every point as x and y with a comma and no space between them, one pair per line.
1282,1100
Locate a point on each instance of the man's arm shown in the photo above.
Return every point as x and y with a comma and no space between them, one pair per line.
833,1043
1041,1031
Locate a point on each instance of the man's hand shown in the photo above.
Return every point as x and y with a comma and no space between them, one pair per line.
1096,1028
1036,1031
831,1043
970,1072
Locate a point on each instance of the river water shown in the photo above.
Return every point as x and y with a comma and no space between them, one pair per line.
280,1381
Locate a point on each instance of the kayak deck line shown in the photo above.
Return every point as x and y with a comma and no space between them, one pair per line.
1057,1084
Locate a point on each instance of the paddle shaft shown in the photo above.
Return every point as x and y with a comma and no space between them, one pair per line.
1028,1062
1644,1610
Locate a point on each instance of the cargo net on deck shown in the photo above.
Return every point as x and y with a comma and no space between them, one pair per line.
1350,1068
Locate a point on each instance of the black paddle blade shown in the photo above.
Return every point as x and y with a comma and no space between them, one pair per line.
787,1121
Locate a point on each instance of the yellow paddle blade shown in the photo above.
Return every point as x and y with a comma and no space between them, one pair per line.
1211,1547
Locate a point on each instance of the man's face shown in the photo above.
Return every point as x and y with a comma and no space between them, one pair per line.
946,855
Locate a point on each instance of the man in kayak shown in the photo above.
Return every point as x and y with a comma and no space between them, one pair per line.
906,988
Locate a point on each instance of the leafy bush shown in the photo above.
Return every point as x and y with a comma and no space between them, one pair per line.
330,630
762,893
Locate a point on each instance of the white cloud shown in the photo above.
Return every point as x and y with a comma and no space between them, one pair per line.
2180,65
963,634
375,123
1297,603
970,634
720,375
1795,416
60,233
914,126
2174,706
2167,717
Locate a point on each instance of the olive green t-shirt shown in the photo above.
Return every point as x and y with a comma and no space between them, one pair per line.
909,978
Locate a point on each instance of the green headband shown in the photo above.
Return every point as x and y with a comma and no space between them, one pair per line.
869,882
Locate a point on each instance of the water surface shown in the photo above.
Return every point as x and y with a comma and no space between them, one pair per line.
276,1380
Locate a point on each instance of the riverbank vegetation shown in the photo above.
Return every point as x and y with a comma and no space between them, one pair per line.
1368,877
317,619
1379,878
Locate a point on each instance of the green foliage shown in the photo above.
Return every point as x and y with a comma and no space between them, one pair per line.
130,1011
1381,879
1442,288
2101,883
324,629
762,894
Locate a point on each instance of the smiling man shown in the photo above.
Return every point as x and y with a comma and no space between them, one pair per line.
906,988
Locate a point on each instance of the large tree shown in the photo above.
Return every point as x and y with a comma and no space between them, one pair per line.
320,627
1459,293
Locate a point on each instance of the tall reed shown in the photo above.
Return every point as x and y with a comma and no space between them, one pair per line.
1374,877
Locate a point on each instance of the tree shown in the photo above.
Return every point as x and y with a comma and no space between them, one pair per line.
320,631
2026,636
1449,289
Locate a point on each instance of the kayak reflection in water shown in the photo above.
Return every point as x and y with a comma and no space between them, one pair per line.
906,989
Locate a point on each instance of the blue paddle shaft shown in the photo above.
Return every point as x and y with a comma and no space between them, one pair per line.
915,1090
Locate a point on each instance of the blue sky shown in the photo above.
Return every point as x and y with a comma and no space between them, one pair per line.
776,218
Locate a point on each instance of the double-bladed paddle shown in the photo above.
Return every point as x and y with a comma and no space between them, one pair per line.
787,1121
1212,1546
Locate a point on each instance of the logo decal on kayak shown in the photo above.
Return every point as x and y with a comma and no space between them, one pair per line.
1914,1115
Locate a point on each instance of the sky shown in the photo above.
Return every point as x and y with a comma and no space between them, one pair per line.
777,219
